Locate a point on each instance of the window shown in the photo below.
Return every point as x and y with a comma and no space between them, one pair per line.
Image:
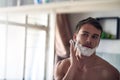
24,47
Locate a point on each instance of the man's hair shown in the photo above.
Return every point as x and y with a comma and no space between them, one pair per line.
91,21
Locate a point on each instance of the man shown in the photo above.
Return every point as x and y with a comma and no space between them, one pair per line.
83,63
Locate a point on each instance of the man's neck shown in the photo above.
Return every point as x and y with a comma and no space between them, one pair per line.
88,59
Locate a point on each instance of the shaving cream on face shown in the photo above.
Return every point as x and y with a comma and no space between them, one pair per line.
85,51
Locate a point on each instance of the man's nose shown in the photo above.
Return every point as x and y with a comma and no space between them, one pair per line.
89,39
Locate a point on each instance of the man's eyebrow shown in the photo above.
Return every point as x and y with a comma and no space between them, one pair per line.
85,32
93,34
96,35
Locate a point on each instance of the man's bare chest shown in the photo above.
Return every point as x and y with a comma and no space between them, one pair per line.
88,74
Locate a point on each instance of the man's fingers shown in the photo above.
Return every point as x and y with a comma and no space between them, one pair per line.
72,48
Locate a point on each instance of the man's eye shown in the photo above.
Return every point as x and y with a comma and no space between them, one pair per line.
85,35
95,37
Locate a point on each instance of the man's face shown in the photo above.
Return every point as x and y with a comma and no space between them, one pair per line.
88,36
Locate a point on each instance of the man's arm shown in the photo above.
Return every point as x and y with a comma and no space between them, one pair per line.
119,75
70,75
115,74
111,74
64,71
58,74
61,69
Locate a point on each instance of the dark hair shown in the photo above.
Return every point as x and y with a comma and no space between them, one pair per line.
91,21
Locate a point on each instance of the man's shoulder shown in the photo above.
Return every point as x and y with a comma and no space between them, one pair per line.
63,63
107,68
103,63
61,68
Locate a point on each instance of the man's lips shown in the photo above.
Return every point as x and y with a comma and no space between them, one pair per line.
87,46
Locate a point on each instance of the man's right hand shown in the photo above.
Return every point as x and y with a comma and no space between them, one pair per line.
74,58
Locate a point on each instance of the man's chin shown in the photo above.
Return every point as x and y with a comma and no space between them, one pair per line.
86,55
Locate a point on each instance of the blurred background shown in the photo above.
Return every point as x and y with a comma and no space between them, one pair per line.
35,34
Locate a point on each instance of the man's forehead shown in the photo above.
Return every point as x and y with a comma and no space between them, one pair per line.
86,32
90,29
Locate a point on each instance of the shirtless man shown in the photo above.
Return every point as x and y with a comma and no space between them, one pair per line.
83,63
